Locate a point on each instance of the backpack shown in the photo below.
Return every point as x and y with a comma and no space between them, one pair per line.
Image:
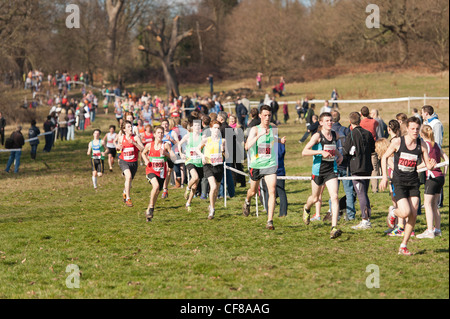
9,142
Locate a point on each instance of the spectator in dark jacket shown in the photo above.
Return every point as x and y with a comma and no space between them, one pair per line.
359,146
241,113
48,127
254,113
311,128
2,128
222,117
33,134
18,142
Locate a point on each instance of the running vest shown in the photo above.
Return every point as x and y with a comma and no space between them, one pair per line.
147,138
434,152
166,138
191,155
129,151
97,150
110,140
157,164
405,164
323,166
213,152
262,154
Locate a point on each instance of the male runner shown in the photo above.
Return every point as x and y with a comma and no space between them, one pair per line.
97,147
322,147
263,162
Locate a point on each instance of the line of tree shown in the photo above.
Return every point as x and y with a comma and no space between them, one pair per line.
173,41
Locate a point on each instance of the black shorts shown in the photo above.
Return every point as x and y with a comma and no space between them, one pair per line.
170,163
112,151
199,170
160,180
132,166
434,186
256,174
97,165
405,191
322,179
216,171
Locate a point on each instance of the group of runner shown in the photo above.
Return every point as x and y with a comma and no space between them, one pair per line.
204,152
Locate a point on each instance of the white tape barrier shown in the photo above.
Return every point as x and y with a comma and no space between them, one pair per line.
37,137
10,150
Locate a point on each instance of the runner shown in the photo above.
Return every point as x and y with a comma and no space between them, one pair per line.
263,161
97,147
322,147
407,150
214,150
109,139
155,155
147,136
433,185
171,138
194,165
129,145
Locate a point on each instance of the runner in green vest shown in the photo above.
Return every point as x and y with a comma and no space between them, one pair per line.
194,165
263,161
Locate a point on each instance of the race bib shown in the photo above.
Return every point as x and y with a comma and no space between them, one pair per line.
407,162
96,155
158,164
264,150
216,159
128,153
330,148
193,155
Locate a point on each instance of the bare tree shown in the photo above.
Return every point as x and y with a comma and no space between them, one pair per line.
166,49
113,10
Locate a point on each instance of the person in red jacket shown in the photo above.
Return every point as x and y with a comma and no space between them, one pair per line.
371,125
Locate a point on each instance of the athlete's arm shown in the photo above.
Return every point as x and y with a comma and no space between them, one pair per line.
89,148
199,148
138,143
308,151
253,136
170,152
430,163
144,154
445,157
395,144
180,143
225,149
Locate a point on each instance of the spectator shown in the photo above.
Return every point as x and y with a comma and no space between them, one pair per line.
210,80
259,80
299,110
415,113
18,142
241,114
70,125
401,118
62,124
370,124
49,126
2,128
254,113
285,112
325,108
312,128
225,131
343,168
33,134
382,129
430,118
360,148
274,107
334,97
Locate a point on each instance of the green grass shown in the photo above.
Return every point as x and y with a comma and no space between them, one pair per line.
51,217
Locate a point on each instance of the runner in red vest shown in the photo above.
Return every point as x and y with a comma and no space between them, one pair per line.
129,145
155,155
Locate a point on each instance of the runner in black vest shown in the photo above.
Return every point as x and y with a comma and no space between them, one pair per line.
407,150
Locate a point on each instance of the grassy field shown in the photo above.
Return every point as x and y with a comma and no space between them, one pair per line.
50,217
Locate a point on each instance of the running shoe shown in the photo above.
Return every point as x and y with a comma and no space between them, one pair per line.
203,196
391,218
211,213
124,197
396,232
315,218
335,233
149,216
188,207
269,225
306,216
404,251
437,232
165,193
427,234
129,203
246,209
364,224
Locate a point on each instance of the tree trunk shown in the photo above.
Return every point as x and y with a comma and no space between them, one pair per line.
113,9
171,78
